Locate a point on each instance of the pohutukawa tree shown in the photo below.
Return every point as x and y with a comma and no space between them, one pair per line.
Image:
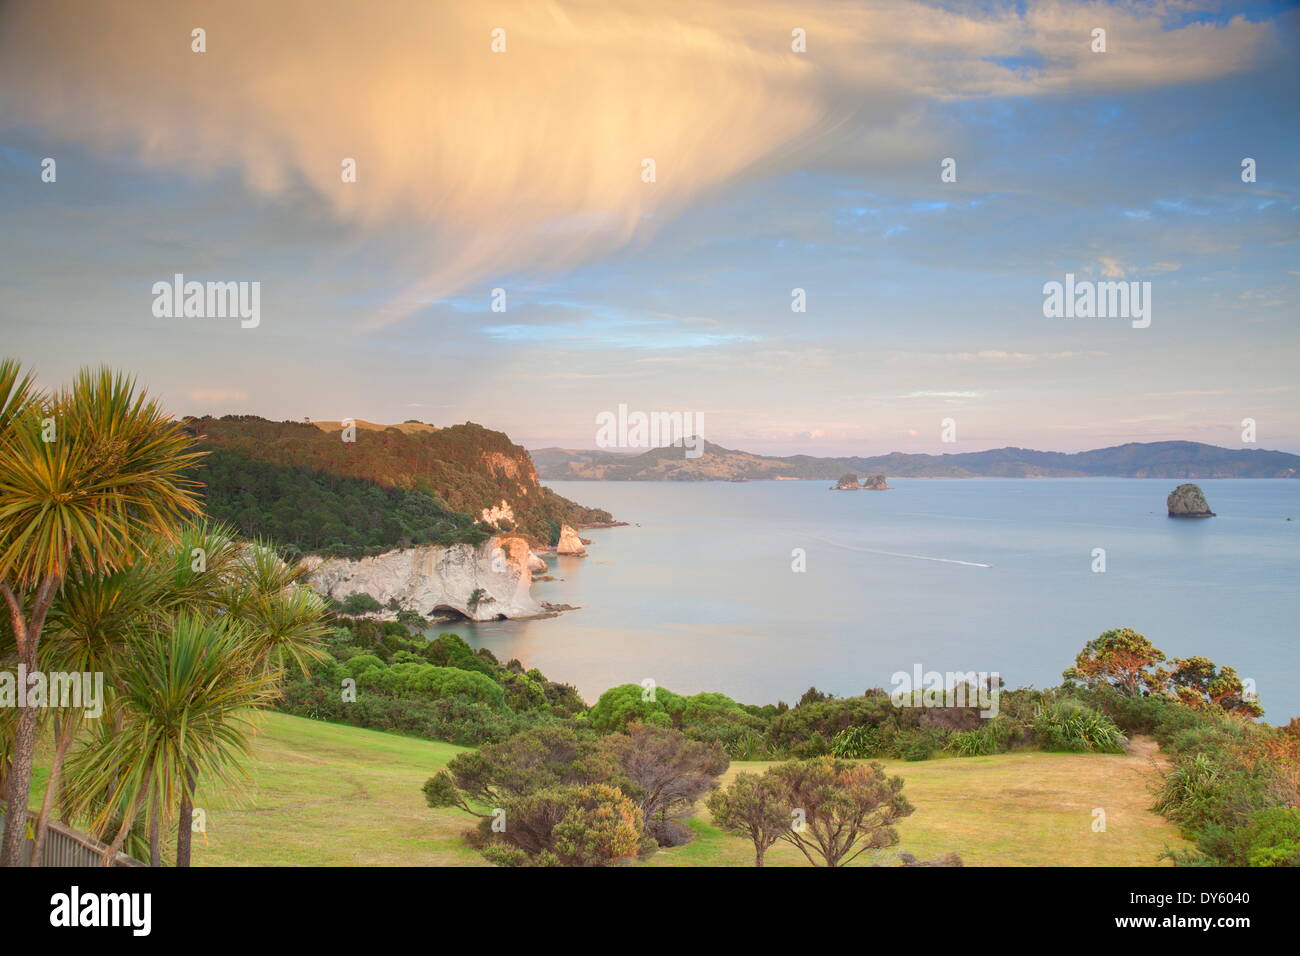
1199,683
1121,658
86,473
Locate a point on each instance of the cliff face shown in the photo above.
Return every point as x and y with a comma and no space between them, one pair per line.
483,583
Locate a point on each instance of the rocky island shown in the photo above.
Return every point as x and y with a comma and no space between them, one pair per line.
849,482
1188,501
570,543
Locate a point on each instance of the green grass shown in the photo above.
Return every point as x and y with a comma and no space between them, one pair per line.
1019,809
331,795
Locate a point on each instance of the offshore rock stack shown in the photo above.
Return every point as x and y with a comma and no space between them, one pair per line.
1188,501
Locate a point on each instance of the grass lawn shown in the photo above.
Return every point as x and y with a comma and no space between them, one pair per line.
1018,809
331,795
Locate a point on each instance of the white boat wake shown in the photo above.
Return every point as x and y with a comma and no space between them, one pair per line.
898,554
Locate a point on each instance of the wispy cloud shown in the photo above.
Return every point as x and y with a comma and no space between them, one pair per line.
488,160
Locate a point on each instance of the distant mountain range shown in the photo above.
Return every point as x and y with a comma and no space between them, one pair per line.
1164,459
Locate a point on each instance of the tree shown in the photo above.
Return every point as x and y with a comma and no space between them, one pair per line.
185,698
1121,658
632,704
752,807
840,809
539,758
1199,683
666,773
360,603
285,623
85,475
286,617
544,797
99,620
813,696
89,627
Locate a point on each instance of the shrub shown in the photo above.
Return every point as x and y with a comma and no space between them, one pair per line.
1072,726
666,773
1207,790
1132,714
1272,838
992,737
360,603
918,744
630,703
815,746
796,731
593,825
857,743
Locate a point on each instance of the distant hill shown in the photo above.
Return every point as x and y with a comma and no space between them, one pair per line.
547,459
406,427
302,485
1167,459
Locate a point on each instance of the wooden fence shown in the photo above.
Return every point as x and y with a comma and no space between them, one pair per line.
65,846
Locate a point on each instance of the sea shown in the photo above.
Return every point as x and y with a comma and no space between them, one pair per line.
762,589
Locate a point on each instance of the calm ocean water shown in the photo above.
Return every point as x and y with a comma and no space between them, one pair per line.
699,593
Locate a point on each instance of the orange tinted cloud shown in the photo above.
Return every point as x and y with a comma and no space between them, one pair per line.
486,163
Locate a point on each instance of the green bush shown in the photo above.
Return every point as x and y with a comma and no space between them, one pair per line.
1071,726
1132,714
857,743
360,603
632,703
1211,790
919,743
992,737
1272,838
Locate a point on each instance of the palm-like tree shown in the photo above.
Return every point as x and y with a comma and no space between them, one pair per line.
285,624
287,617
195,567
95,614
85,474
89,628
94,625
186,699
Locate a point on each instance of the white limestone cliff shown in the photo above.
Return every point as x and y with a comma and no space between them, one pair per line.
483,583
497,513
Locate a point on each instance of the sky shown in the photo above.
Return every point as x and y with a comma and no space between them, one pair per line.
523,169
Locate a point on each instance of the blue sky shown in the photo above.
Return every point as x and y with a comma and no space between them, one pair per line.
775,171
